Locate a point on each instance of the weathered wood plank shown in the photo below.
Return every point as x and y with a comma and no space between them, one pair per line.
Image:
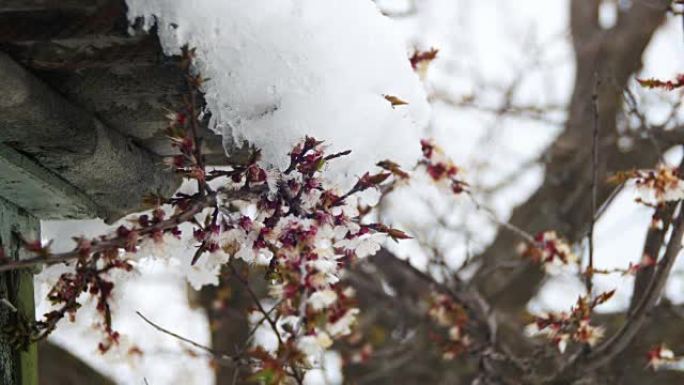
59,19
39,5
107,166
39,191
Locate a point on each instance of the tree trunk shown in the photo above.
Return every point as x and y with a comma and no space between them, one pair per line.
226,306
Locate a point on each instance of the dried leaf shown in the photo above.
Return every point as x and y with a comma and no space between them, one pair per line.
395,101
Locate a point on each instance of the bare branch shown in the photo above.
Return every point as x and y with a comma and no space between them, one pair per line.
214,353
208,200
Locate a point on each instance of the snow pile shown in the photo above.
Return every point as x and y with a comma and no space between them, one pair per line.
280,70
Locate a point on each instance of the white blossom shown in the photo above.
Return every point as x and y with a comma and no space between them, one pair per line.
363,246
322,299
311,199
246,253
314,345
342,326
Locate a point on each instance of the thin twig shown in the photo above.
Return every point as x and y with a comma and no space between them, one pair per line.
213,352
589,277
193,82
257,302
632,104
261,321
507,225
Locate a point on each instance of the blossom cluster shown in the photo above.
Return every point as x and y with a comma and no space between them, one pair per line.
660,356
662,184
548,249
420,61
441,168
92,275
668,85
573,326
303,232
450,318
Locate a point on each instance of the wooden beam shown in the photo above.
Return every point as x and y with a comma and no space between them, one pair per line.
39,191
44,20
108,167
40,5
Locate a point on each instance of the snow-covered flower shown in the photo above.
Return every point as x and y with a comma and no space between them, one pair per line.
272,178
276,291
364,245
311,199
440,315
588,334
343,325
231,240
561,341
440,168
263,257
246,253
201,274
664,184
562,327
660,356
156,247
325,266
322,299
314,345
550,250
455,333
348,210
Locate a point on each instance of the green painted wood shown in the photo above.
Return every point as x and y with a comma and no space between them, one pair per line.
28,360
16,367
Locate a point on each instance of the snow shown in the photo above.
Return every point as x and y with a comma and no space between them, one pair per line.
281,70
